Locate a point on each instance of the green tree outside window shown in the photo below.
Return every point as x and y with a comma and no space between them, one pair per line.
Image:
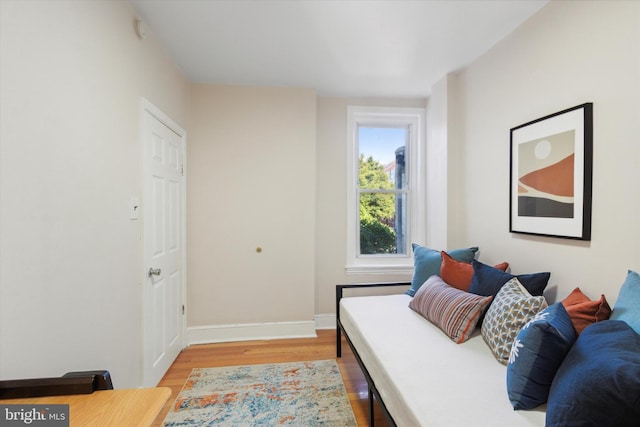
377,209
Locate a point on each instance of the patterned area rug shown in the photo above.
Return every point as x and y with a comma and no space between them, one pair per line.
303,394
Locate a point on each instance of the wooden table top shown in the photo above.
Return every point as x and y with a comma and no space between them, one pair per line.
125,407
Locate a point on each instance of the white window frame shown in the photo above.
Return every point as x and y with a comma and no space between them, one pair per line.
414,119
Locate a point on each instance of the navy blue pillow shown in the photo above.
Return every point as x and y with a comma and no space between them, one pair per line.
488,280
598,384
427,262
536,354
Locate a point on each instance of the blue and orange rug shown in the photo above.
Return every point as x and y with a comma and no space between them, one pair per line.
304,394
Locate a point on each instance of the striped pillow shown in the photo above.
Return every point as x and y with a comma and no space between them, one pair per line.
454,311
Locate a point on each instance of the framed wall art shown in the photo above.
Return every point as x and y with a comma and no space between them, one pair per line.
550,175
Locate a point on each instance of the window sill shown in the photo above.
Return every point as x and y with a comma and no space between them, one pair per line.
379,269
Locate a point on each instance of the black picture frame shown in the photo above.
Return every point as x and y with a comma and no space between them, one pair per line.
550,175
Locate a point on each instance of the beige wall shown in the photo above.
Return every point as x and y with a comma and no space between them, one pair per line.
252,178
567,54
72,76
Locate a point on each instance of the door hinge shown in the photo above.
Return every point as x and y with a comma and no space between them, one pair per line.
182,169
182,308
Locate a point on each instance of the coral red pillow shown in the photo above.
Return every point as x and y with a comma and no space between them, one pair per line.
460,274
583,312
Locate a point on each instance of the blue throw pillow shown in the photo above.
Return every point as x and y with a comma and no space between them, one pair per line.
488,280
627,306
598,384
427,262
536,354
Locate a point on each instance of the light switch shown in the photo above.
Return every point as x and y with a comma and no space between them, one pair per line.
134,208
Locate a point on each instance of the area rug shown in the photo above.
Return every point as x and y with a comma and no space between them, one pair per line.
304,394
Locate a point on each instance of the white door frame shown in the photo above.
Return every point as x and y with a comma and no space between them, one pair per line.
148,107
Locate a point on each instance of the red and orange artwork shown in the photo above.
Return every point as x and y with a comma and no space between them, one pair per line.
546,176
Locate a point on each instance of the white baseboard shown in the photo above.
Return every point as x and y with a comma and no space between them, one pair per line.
259,331
325,321
250,331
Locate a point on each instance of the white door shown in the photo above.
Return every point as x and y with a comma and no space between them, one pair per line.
163,209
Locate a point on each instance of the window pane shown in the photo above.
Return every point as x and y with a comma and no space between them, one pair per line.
382,152
383,223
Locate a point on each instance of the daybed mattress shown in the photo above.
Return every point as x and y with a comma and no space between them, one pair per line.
423,377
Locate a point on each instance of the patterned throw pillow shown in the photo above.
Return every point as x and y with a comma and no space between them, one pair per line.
488,281
536,354
583,311
512,308
454,311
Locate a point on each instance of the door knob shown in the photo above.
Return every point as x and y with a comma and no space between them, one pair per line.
154,272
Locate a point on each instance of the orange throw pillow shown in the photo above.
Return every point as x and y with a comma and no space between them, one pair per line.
460,274
583,312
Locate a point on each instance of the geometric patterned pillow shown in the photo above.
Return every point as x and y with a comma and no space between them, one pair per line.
454,311
512,308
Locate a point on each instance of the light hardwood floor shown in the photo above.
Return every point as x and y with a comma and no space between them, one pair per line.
274,351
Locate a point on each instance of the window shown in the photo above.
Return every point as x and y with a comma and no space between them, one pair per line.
385,188
382,189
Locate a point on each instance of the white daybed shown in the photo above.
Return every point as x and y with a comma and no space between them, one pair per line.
418,374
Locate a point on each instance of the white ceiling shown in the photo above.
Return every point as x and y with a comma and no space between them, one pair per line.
386,48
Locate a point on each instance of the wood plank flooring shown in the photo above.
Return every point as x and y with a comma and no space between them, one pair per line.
274,351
